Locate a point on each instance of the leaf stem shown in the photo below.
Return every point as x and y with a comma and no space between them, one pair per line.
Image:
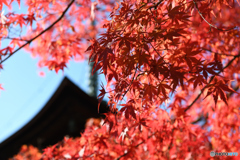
208,22
29,41
229,63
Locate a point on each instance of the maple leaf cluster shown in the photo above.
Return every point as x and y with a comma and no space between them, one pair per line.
28,152
172,70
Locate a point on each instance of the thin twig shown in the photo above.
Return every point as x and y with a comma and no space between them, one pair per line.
218,53
208,22
28,42
235,89
200,118
130,83
18,39
229,63
134,146
205,117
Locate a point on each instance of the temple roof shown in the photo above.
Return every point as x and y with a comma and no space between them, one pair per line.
64,114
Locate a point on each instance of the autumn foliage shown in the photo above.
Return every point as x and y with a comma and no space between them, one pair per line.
172,69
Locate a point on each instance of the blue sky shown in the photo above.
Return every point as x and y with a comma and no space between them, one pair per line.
25,92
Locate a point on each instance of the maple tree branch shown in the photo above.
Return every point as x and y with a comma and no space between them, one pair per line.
205,117
157,52
154,49
200,118
171,142
208,22
128,152
218,53
228,64
28,42
18,39
155,5
235,89
139,9
134,146
130,83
